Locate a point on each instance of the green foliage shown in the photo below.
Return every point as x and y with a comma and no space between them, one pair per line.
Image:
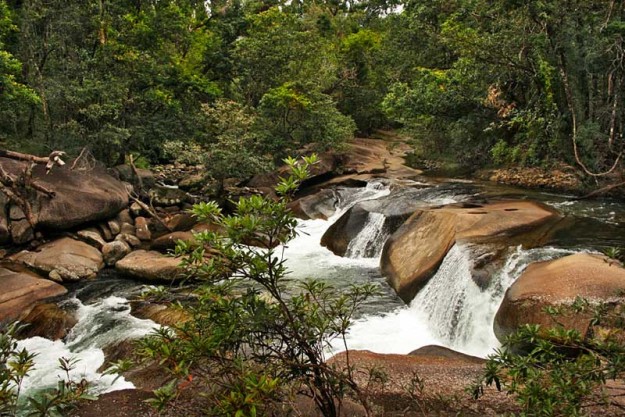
476,81
293,116
362,81
14,94
614,253
280,48
14,367
255,338
558,371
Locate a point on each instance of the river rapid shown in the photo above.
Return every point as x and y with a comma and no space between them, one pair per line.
451,310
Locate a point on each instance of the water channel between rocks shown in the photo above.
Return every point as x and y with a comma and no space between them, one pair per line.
451,310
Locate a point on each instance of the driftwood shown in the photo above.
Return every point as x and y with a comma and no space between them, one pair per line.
147,208
16,188
150,211
602,190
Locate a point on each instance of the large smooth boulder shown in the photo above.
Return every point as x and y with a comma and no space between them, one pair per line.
21,289
151,266
360,156
441,371
412,255
80,196
555,283
64,259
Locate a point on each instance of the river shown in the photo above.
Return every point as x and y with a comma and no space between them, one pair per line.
451,310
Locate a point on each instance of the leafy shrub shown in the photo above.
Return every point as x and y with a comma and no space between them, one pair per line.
257,337
558,371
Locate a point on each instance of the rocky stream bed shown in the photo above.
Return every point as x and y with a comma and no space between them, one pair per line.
460,264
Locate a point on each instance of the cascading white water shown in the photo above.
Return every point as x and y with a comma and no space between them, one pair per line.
306,258
448,296
370,241
101,324
451,310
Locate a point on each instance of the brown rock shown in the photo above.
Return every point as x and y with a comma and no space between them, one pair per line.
192,182
144,180
21,289
151,266
65,258
16,213
5,233
412,255
114,227
443,352
128,229
132,240
124,217
80,196
164,315
166,196
168,242
114,251
21,232
49,321
105,231
92,237
135,209
320,205
559,282
361,156
124,403
396,208
181,222
444,374
142,228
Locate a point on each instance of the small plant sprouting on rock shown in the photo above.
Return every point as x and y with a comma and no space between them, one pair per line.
258,339
615,254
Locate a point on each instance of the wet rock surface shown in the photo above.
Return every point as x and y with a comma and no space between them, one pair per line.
414,252
559,282
21,289
47,320
396,209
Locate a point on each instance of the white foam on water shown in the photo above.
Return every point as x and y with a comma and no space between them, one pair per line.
306,258
451,310
101,324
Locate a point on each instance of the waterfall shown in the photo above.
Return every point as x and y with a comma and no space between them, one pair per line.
451,310
447,298
370,240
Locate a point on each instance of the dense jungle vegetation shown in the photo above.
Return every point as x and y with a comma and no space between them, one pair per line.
502,82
